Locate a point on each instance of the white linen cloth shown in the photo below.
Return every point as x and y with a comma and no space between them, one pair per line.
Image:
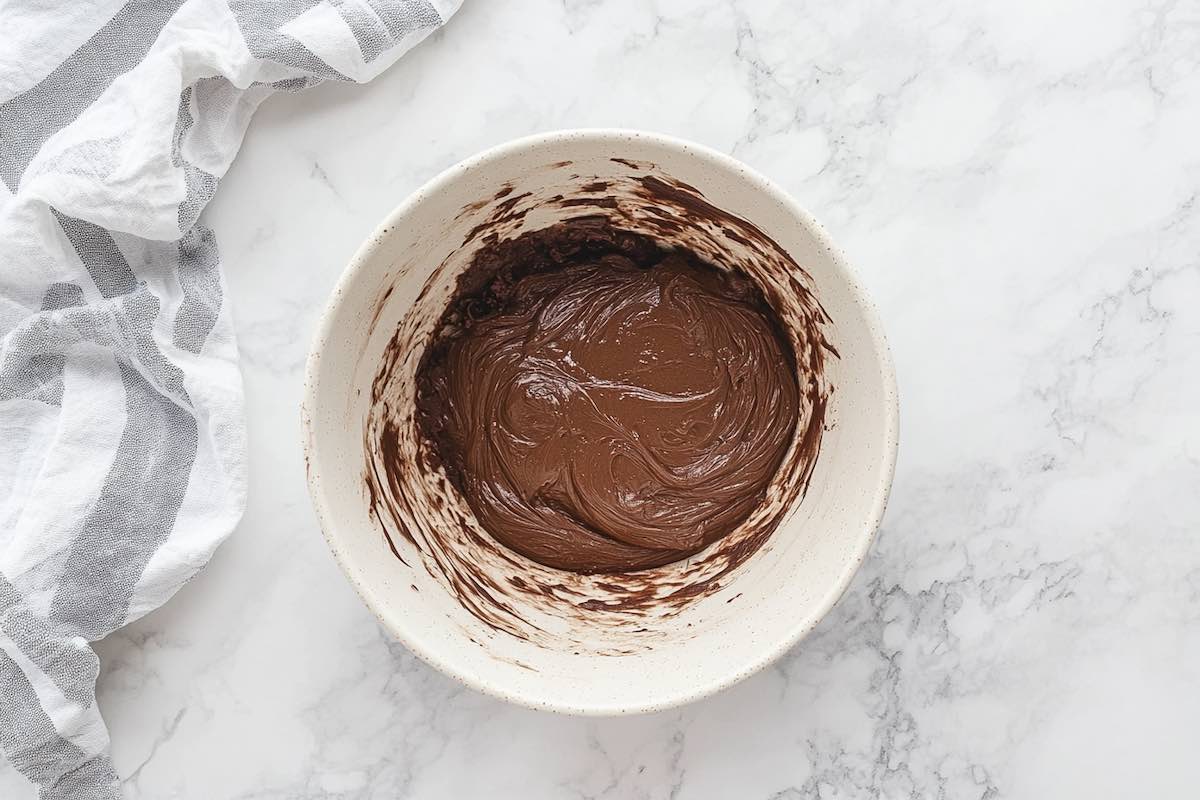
122,446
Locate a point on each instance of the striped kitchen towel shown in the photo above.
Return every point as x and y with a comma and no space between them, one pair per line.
122,447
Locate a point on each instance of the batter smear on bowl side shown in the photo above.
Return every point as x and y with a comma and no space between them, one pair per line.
603,404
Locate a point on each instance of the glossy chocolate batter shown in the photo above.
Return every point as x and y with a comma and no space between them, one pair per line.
605,405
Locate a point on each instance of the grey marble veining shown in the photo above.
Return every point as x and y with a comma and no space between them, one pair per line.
1017,185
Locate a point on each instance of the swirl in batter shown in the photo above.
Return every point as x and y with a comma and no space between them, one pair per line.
604,405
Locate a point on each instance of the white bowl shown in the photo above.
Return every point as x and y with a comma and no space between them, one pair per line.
515,629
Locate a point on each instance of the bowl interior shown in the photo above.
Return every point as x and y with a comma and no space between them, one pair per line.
538,636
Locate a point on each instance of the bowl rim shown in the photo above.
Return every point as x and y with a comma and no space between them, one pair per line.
767,654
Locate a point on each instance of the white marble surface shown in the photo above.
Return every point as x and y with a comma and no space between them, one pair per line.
1017,183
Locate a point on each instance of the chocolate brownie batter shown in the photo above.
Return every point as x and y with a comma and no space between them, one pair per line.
605,405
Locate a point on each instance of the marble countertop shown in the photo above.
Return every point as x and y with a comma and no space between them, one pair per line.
1017,185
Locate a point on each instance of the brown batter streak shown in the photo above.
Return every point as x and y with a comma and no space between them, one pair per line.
603,405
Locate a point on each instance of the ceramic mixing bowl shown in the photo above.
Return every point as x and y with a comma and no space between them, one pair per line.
601,644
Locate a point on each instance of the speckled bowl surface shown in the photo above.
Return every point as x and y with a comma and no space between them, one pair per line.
541,637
